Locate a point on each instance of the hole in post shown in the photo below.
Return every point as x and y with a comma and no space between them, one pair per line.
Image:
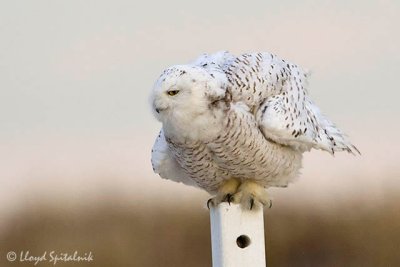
243,241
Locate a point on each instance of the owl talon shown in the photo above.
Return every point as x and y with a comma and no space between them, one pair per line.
251,203
225,193
228,198
210,201
217,200
251,195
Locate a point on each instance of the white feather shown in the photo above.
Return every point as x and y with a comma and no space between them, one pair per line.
249,117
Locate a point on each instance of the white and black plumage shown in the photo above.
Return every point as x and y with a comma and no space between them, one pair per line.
234,126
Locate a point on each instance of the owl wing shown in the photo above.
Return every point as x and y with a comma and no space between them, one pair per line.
301,129
165,164
276,92
216,60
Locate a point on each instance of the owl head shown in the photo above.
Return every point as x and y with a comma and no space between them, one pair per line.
187,98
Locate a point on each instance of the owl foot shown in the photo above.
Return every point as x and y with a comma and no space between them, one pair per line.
251,195
225,193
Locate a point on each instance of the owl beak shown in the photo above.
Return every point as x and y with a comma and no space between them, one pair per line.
158,109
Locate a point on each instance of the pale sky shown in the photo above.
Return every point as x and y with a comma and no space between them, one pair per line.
75,78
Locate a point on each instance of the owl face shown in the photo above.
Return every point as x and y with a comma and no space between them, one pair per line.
180,90
182,97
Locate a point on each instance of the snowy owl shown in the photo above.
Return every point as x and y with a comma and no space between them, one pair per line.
236,125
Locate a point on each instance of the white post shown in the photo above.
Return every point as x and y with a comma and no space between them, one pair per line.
237,236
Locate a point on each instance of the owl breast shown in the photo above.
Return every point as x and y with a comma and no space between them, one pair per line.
239,151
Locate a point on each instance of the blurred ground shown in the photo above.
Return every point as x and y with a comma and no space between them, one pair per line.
99,195
142,233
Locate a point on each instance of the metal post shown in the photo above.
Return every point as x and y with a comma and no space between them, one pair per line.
237,236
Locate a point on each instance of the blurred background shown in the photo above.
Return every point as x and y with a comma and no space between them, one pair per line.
76,129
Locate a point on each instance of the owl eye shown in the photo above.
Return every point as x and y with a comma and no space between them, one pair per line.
173,92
